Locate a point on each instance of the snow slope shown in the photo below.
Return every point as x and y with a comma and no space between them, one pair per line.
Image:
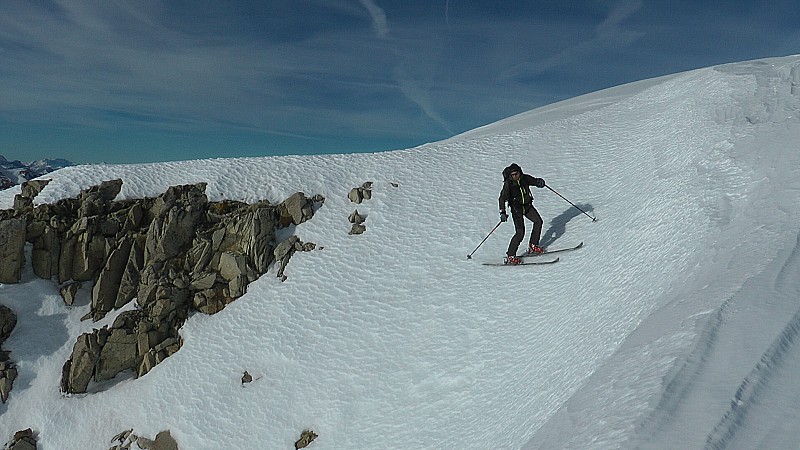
675,326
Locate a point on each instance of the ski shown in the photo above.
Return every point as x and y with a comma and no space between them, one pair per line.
547,252
533,263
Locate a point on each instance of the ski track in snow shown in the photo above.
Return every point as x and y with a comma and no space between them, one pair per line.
392,339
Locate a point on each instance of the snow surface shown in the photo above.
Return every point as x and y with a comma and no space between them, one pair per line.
676,326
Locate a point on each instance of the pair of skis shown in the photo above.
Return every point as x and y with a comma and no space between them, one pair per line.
538,263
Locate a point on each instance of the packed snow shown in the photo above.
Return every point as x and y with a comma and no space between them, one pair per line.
675,326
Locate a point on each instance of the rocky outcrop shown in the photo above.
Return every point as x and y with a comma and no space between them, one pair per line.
174,254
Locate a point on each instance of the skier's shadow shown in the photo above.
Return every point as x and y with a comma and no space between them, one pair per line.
559,224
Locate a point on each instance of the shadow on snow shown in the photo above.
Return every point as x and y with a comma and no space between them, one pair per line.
558,225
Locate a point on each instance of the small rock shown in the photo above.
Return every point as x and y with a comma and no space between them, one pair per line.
306,438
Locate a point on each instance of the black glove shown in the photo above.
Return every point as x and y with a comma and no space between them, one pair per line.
503,216
540,183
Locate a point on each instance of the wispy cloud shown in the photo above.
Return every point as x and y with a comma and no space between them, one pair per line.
611,31
608,34
378,17
78,62
417,90
342,69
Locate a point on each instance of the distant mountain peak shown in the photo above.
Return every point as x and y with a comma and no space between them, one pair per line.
16,172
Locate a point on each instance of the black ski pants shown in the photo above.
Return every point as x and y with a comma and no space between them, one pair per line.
519,226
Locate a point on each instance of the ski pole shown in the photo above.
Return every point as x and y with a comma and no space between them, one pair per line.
594,219
484,240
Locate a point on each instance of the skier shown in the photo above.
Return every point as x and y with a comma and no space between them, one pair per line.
517,192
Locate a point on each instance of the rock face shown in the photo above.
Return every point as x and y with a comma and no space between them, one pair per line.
174,253
8,371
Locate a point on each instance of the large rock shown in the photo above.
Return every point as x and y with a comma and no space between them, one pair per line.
8,320
359,194
12,249
131,275
296,209
69,291
95,200
177,215
30,189
106,288
8,373
23,440
128,440
118,353
46,248
92,245
80,368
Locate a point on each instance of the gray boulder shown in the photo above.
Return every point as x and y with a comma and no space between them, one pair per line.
358,228
296,209
361,193
69,291
357,220
23,440
8,373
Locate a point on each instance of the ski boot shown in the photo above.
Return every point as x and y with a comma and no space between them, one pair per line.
534,250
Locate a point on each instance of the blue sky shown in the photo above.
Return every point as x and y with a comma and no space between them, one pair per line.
139,81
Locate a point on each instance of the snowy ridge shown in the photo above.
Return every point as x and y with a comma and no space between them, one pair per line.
710,312
392,339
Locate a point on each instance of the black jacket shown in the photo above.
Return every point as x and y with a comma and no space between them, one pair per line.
518,193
